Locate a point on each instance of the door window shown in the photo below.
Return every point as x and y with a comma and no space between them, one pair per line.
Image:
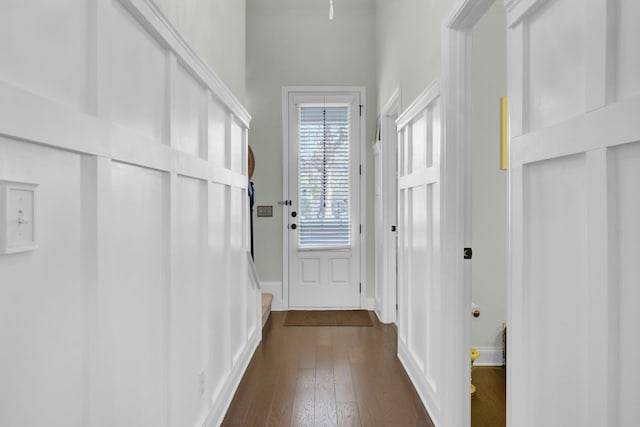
324,176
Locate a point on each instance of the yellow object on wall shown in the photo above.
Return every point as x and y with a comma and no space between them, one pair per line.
504,133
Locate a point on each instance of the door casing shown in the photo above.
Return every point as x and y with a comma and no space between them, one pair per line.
386,286
456,227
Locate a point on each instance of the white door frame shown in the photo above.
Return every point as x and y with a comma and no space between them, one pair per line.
386,309
286,90
456,76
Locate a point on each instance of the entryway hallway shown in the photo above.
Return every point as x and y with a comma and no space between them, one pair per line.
335,375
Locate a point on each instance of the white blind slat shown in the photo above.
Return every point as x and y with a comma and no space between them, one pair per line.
323,176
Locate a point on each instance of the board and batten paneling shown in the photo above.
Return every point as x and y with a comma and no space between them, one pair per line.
625,161
574,204
420,339
135,310
54,67
43,296
138,281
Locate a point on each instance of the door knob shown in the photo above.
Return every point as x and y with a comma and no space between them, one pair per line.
293,226
294,214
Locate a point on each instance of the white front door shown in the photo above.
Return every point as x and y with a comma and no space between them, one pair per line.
574,92
323,209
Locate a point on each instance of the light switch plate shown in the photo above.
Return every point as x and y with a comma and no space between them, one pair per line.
265,211
17,217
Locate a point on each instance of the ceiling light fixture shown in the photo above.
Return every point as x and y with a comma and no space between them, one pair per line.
331,9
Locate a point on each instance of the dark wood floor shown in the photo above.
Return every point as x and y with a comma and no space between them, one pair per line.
326,376
488,406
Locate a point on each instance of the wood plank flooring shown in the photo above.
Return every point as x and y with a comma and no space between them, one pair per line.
488,406
326,376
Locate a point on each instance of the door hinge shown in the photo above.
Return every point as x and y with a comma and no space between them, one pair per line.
360,287
360,228
394,228
360,170
468,253
396,307
361,106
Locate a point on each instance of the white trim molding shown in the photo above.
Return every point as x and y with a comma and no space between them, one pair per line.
414,371
369,304
223,399
393,104
456,213
517,10
387,148
419,104
148,13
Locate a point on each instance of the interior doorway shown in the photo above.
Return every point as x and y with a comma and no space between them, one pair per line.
457,72
488,217
386,212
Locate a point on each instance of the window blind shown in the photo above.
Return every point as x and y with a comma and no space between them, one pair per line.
324,176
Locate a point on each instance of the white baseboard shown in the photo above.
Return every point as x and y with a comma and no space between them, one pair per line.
489,356
223,400
370,304
377,307
419,382
275,289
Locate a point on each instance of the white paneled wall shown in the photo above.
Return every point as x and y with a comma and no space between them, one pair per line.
135,310
43,297
420,302
188,122
136,76
574,206
628,56
556,197
53,67
137,285
625,161
188,307
557,81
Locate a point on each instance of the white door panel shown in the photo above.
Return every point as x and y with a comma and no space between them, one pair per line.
323,215
574,205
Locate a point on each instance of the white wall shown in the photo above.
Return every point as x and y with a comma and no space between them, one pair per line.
489,183
215,29
293,43
408,53
135,310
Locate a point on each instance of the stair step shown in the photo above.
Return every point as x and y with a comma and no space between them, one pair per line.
266,307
